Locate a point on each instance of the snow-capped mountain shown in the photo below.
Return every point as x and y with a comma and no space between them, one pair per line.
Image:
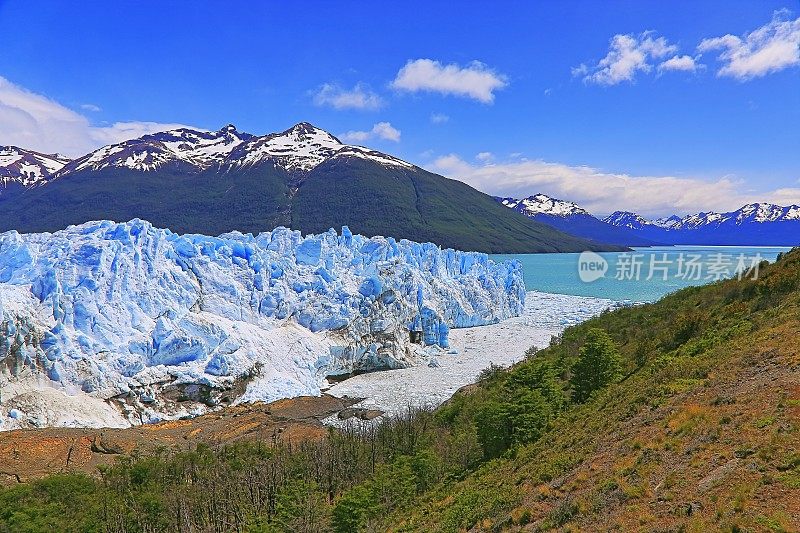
211,182
752,224
541,204
627,219
26,168
748,214
668,222
300,148
196,148
570,218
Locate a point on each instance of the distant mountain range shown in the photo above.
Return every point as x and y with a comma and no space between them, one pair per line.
570,218
752,225
194,181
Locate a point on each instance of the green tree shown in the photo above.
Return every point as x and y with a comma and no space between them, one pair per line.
644,351
598,365
493,425
301,508
536,375
535,396
353,509
530,415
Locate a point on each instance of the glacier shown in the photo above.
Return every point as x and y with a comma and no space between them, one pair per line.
159,325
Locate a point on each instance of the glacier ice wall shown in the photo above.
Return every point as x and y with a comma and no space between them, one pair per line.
114,309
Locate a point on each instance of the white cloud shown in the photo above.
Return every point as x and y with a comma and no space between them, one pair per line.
579,71
485,157
681,63
91,107
381,130
384,130
627,55
359,97
476,80
439,118
123,131
770,48
33,121
604,192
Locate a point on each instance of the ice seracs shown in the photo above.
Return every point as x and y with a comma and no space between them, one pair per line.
163,325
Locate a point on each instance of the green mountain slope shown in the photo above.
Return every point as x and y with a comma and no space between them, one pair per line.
175,196
415,204
371,198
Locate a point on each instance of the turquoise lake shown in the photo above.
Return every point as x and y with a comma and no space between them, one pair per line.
682,266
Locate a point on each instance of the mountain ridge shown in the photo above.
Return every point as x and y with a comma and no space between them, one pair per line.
759,213
21,168
752,224
569,217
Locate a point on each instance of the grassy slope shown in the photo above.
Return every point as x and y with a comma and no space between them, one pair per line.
705,436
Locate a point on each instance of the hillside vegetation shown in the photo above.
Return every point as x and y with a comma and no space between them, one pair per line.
681,415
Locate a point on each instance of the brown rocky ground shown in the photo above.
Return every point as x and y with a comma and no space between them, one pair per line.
32,453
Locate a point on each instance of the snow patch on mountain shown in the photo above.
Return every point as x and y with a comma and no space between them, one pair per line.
668,222
160,325
764,212
26,167
298,149
301,147
541,204
197,148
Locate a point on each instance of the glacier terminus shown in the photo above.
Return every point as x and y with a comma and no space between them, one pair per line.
146,324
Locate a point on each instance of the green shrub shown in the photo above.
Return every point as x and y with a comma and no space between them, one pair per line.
598,365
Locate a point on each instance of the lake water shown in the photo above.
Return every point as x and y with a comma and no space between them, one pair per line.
646,274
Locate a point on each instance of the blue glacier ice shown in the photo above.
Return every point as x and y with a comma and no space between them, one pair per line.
116,309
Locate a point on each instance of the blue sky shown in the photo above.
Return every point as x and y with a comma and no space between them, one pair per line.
515,98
